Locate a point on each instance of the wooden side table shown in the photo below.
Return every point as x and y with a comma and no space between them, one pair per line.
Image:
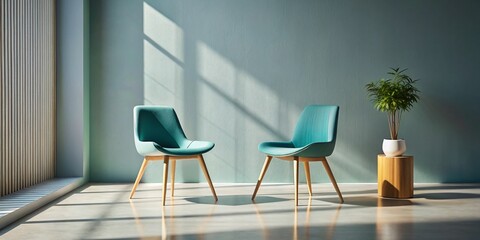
395,176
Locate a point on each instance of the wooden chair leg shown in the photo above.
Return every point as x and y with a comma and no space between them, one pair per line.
307,176
262,174
207,176
139,177
165,179
295,179
332,179
172,184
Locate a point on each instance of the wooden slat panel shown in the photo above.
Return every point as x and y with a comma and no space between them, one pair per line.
27,88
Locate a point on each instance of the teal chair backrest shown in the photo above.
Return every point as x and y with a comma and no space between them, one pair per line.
160,125
317,124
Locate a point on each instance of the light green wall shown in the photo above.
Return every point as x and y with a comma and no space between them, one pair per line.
240,72
71,95
86,89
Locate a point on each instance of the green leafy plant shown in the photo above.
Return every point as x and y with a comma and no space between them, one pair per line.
393,96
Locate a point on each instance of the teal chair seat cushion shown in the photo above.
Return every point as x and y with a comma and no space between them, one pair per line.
279,149
193,148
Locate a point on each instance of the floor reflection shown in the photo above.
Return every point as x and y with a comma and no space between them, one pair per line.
138,223
387,226
168,222
431,214
266,217
302,230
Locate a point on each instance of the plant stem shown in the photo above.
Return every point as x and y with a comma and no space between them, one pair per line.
394,123
390,127
399,115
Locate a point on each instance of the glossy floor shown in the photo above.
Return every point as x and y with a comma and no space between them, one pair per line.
437,211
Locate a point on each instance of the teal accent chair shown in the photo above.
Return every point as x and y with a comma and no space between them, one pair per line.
159,136
313,140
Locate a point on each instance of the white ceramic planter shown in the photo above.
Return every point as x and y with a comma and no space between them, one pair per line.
393,148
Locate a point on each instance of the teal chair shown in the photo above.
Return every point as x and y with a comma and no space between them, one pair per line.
313,140
159,136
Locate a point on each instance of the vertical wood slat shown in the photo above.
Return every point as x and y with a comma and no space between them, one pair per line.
6,117
21,83
13,95
1,93
2,72
40,93
35,94
27,93
52,96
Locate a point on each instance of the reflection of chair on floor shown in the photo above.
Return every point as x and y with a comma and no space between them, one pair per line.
305,234
313,140
159,136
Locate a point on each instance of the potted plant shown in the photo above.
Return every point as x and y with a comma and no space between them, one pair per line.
394,96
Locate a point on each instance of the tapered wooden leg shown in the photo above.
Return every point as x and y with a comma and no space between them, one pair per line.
307,176
262,174
295,179
172,184
165,179
139,176
207,176
332,179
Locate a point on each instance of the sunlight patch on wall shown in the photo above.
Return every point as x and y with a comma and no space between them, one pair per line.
216,70
160,76
216,89
163,31
163,60
228,87
254,93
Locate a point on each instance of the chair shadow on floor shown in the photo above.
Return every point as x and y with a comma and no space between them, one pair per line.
447,196
370,201
449,186
235,200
